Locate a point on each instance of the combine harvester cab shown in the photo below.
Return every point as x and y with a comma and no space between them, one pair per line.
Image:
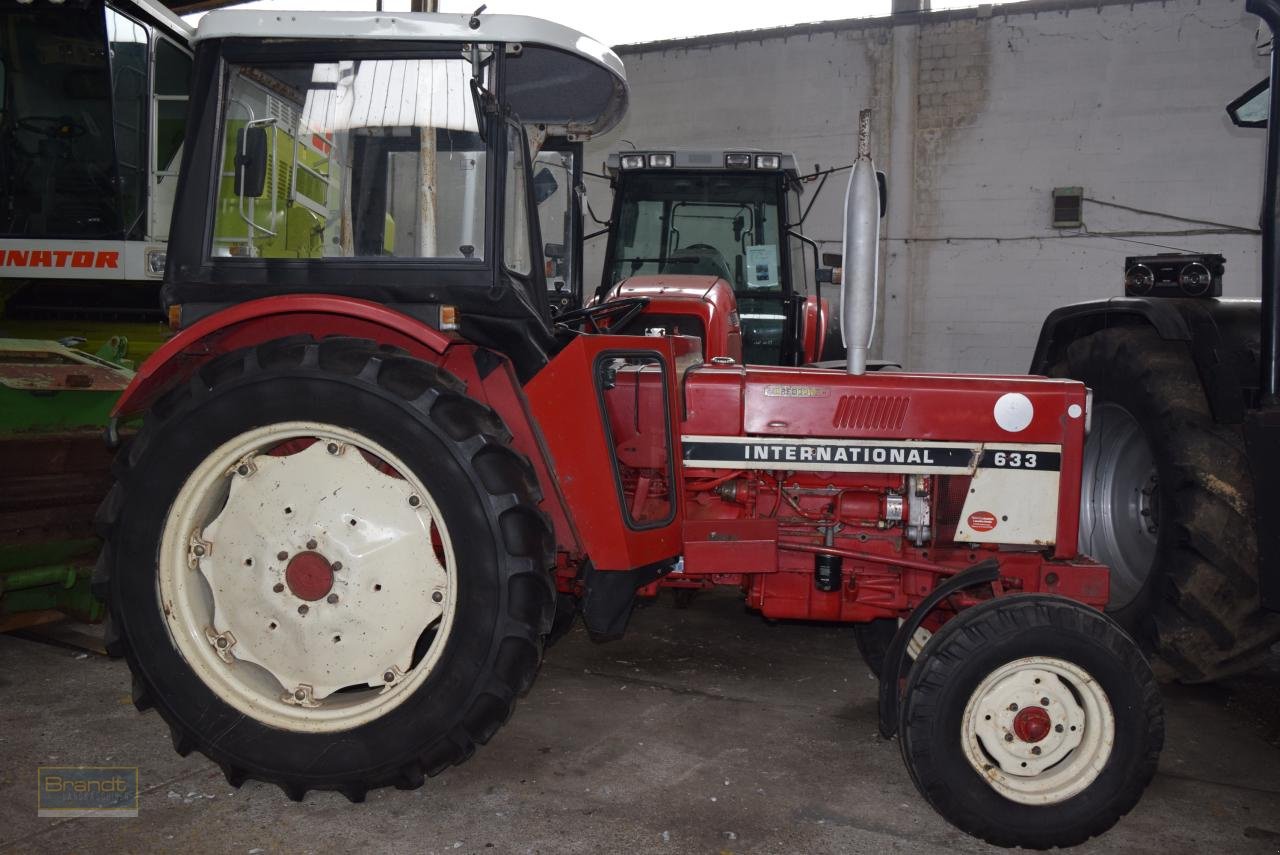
375,475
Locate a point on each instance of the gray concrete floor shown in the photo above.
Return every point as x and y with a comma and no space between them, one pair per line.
705,730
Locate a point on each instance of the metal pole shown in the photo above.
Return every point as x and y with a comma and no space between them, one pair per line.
1269,11
427,173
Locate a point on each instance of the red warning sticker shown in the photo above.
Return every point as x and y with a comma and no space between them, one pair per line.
982,521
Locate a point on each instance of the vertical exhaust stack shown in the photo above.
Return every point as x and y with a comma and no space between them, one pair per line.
861,253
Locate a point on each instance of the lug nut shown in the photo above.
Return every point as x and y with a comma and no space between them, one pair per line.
414,501
389,676
1058,728
1035,749
332,598
281,556
337,565
198,550
311,544
437,597
242,469
299,695
1013,707
1008,737
303,609
332,448
277,587
222,644
1044,702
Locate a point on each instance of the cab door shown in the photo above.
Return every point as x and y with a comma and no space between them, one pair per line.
606,407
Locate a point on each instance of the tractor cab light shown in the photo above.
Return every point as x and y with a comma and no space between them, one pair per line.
175,316
768,161
661,161
737,161
448,317
632,161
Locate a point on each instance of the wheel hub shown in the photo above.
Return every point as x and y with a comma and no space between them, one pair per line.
1038,730
1119,501
1032,724
309,576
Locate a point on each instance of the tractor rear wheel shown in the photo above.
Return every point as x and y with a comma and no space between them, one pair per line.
1167,504
1031,720
327,567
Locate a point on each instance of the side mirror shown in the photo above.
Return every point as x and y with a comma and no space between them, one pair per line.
553,250
1251,109
832,259
251,162
544,185
826,275
883,184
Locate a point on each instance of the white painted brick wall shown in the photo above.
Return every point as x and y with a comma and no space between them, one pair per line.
1124,100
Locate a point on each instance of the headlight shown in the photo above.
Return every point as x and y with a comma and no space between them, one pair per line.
768,161
662,161
155,262
737,161
632,161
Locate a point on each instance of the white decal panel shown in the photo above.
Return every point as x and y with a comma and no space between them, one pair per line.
1013,497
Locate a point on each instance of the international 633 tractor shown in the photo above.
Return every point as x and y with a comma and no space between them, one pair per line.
371,469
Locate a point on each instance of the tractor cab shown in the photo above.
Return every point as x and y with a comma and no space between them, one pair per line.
709,237
402,159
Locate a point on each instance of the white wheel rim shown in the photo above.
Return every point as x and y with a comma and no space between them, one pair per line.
1038,730
273,642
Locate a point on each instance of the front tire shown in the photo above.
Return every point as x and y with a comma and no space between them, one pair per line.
327,567
1031,720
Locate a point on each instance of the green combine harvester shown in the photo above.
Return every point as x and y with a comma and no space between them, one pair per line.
93,100
54,401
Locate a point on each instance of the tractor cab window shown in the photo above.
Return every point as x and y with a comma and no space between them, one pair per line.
351,158
553,191
57,141
710,224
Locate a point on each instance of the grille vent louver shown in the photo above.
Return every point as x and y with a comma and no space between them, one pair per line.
870,412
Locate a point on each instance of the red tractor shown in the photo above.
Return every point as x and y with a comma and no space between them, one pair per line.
371,469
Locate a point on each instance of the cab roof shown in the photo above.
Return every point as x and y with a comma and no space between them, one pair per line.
565,80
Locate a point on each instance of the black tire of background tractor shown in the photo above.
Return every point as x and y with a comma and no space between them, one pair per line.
1199,611
487,494
873,639
566,615
973,645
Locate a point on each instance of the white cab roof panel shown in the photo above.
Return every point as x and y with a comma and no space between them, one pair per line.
563,79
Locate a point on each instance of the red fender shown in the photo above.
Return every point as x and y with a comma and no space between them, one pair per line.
318,315
257,321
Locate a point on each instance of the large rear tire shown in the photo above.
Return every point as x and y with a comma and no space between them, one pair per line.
1167,503
326,567
1031,720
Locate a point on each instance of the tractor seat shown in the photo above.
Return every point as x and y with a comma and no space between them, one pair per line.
707,261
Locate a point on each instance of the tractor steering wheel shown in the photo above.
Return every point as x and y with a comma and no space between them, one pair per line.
53,127
618,312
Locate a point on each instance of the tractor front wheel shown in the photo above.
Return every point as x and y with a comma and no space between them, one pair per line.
1032,721
327,567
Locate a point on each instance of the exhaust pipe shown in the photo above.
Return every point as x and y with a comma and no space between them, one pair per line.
861,253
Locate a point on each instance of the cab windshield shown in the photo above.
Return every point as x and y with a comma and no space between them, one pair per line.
700,224
351,158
